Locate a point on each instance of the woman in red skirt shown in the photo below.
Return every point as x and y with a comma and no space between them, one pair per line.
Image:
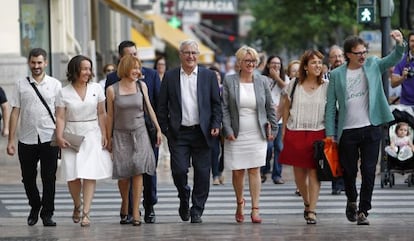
302,109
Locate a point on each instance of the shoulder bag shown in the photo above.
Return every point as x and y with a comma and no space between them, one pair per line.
152,131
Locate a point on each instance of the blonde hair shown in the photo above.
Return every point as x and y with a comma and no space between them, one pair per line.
242,52
127,63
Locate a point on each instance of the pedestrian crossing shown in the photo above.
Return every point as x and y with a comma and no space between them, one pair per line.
274,200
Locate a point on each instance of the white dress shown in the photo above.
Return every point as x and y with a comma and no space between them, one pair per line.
91,162
249,149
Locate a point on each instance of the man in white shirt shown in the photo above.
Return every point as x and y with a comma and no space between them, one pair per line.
37,124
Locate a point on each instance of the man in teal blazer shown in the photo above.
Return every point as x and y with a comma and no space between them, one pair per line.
356,88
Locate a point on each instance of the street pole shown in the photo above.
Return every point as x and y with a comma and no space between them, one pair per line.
387,9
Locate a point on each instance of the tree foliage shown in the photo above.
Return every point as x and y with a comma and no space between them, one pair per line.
295,25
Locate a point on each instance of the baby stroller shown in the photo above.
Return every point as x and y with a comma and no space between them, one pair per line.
400,161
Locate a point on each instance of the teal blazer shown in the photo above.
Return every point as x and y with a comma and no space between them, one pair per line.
379,111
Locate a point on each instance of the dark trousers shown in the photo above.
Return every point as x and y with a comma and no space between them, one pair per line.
360,144
190,144
273,150
150,185
29,156
215,158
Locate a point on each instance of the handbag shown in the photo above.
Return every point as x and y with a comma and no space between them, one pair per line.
151,130
327,160
74,140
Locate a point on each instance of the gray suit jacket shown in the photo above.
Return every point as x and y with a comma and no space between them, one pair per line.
231,105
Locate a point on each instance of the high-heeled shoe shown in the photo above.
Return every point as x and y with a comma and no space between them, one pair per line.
306,211
86,222
239,215
76,215
255,217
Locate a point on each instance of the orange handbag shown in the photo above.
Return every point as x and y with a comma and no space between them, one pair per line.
327,160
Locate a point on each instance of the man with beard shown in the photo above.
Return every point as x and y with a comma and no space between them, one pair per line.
356,88
37,124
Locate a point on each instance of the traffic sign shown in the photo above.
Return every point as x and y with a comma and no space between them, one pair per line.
366,11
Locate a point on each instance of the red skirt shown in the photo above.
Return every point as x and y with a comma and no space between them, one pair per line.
298,148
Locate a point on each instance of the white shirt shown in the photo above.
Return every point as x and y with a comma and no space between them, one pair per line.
35,121
356,99
189,102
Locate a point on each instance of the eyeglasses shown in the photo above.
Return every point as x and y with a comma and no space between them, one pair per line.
250,61
275,63
360,54
188,53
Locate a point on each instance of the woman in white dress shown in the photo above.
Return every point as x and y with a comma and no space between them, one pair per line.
81,110
247,112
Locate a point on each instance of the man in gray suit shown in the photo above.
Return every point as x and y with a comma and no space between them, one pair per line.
189,114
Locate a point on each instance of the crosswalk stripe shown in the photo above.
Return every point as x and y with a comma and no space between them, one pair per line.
274,200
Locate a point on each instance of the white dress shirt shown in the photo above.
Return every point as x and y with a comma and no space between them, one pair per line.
189,103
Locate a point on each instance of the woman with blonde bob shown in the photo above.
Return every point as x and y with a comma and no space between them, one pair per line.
249,122
128,138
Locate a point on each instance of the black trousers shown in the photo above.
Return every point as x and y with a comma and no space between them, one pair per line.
29,156
360,144
190,146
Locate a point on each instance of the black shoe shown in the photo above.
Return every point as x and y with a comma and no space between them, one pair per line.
125,219
196,219
149,214
184,211
362,219
33,216
351,211
264,178
48,222
336,192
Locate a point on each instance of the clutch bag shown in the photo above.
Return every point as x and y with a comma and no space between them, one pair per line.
74,140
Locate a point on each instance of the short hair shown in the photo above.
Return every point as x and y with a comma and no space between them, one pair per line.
37,52
401,124
74,68
106,67
351,42
242,52
188,42
304,60
291,63
126,64
125,44
158,60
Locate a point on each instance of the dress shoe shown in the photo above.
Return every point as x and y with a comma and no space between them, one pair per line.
351,211
33,216
48,222
184,211
149,216
196,219
263,178
278,181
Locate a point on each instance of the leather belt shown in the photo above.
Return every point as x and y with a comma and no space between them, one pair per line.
186,128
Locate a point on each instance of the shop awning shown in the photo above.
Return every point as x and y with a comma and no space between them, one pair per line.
121,8
174,37
145,49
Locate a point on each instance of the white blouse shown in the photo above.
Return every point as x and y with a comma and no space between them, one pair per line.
308,108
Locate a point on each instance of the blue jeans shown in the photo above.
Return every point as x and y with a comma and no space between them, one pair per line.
360,143
274,147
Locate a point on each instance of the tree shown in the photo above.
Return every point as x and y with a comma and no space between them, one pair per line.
295,25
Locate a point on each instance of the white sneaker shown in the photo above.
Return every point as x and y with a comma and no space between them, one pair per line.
405,153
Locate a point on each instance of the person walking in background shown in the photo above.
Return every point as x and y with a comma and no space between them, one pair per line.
189,114
37,124
152,80
127,135
5,113
217,165
278,80
107,69
249,122
303,109
336,59
403,74
80,110
356,88
160,65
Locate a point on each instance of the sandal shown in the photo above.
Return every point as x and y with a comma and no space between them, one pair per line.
124,218
76,216
311,217
239,215
136,222
86,222
306,211
255,218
